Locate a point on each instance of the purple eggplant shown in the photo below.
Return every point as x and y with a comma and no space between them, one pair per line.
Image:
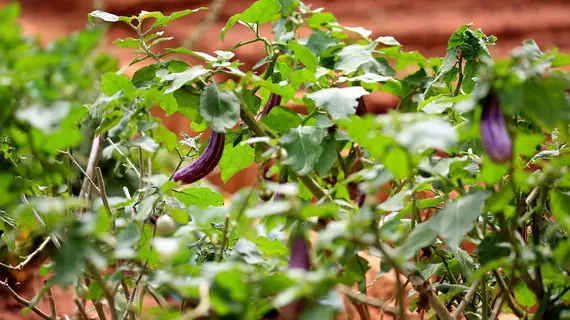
207,161
494,133
274,100
299,254
361,107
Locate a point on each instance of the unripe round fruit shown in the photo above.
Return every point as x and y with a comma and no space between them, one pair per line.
165,224
282,154
265,195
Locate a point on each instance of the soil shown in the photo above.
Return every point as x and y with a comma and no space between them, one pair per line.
421,25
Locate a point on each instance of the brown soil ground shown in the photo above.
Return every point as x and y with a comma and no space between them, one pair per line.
422,25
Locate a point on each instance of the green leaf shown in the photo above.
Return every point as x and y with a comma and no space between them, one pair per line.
355,56
339,102
303,75
526,143
168,103
560,203
320,19
524,295
303,145
560,60
112,83
457,217
235,159
327,158
387,40
272,248
436,104
303,54
167,138
127,43
465,262
200,197
260,12
105,16
163,21
422,236
188,105
282,119
201,55
180,79
220,109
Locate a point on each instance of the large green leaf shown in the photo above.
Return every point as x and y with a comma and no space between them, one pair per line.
303,145
339,102
261,11
181,78
220,109
352,57
200,197
457,217
304,54
235,159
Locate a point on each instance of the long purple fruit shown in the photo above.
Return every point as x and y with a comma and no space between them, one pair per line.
494,134
361,107
274,100
205,163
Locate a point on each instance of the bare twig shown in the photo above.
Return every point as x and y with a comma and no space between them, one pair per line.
24,302
505,291
81,308
400,297
497,308
29,258
51,300
467,300
40,221
106,292
203,306
377,303
131,165
91,164
87,177
102,191
220,254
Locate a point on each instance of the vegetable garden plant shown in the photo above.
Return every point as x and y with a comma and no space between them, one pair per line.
116,201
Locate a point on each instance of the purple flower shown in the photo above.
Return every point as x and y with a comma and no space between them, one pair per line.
207,161
494,134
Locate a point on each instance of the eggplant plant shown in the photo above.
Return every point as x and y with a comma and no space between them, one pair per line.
121,211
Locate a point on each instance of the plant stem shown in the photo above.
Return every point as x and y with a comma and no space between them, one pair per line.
220,254
51,300
460,80
22,301
467,300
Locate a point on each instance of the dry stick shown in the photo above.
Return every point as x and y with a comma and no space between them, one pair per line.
81,308
497,308
203,306
505,291
40,221
23,301
29,258
87,177
132,166
467,300
51,300
91,164
102,190
377,303
401,300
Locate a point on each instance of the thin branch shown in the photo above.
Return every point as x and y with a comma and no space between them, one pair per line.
377,303
51,300
29,258
467,300
81,308
220,254
400,297
505,290
203,306
497,308
23,301
68,154
131,165
102,190
91,164
40,221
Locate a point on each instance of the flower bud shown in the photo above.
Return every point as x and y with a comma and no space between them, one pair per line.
207,161
494,134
